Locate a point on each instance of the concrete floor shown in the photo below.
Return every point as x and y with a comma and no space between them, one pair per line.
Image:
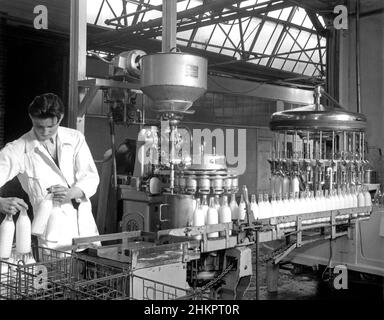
305,284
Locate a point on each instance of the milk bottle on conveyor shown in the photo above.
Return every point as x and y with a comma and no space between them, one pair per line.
293,203
295,184
198,217
341,201
225,214
261,205
354,196
286,209
320,204
279,206
217,202
274,206
204,207
242,208
354,200
254,207
23,233
350,198
367,197
361,197
301,203
336,200
267,206
234,207
328,203
312,204
7,232
212,217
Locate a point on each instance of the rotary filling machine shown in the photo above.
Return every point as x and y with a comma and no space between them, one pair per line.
322,147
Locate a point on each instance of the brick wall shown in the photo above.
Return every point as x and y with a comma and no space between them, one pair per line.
2,80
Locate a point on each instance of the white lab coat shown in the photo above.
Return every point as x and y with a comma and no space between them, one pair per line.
27,159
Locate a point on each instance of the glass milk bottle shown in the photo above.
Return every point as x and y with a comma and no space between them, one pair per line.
23,233
234,207
285,207
274,206
217,202
279,206
361,198
341,201
295,184
354,196
367,197
198,217
225,214
242,208
261,205
204,207
7,232
254,207
292,203
267,206
335,200
40,218
212,217
302,203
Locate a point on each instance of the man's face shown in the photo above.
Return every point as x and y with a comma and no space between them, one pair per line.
45,128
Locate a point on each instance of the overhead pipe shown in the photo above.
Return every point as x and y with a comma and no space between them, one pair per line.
357,31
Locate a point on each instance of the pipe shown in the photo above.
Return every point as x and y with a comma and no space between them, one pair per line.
358,98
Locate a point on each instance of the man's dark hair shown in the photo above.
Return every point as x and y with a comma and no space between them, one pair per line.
47,105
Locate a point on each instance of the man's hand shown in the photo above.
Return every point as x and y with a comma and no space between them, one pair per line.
63,194
12,205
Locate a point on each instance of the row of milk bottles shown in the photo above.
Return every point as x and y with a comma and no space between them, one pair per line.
282,184
309,202
218,211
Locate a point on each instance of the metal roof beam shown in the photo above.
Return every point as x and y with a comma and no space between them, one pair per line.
113,35
316,23
110,37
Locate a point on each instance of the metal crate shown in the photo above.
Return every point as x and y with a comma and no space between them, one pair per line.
148,289
45,279
59,275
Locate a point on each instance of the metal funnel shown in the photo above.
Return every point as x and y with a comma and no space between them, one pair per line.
173,80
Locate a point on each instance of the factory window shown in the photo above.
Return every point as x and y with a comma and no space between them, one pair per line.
266,33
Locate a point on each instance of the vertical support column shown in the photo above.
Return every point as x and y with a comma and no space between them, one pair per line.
169,25
3,62
77,60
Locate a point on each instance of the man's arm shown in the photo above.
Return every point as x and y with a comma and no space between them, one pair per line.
10,166
86,175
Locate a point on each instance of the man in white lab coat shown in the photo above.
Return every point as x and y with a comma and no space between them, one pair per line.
51,158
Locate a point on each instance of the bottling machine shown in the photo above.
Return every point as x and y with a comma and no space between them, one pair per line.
159,197
321,149
315,148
